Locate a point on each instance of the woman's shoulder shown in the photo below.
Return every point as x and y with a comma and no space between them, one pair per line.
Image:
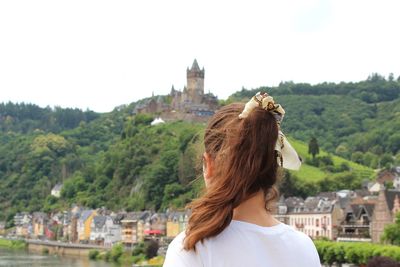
177,256
300,237
303,245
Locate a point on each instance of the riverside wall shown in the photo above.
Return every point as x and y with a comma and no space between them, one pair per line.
61,248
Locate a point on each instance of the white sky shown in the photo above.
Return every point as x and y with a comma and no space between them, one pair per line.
101,54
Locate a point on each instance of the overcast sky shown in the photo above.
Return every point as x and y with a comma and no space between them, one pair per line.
101,54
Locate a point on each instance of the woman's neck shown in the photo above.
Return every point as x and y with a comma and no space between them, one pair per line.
253,211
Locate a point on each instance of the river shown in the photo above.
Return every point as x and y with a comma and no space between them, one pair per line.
22,258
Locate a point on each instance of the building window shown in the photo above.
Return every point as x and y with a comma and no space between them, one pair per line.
317,223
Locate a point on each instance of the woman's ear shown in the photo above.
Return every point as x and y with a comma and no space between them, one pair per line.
207,168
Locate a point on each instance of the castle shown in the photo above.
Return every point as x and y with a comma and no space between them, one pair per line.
187,104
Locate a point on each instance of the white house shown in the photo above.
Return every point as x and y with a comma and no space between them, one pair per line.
314,216
56,191
104,231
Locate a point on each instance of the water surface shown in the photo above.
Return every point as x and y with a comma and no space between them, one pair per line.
22,258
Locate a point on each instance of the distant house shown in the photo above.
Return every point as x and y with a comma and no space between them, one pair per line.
388,204
385,178
40,220
315,216
129,227
24,230
98,229
113,233
56,191
23,224
72,228
22,218
176,223
104,231
84,225
158,223
356,224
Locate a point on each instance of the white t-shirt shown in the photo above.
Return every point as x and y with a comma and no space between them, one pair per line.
244,244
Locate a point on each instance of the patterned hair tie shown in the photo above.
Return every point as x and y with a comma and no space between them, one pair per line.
286,155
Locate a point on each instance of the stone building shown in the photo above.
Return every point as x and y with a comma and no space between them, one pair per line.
386,207
191,100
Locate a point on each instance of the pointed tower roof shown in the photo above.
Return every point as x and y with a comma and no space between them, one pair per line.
195,66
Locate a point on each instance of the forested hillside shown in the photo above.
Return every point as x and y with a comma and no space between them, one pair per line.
359,121
119,161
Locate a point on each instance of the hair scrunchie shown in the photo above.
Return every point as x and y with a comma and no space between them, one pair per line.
286,155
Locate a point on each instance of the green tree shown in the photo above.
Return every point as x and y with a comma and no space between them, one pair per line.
313,147
391,233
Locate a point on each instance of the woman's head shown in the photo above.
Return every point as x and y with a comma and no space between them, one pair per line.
240,161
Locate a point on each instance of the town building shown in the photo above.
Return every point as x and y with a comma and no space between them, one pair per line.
132,229
113,233
70,224
315,216
356,223
23,224
176,223
40,220
84,225
157,225
104,231
387,205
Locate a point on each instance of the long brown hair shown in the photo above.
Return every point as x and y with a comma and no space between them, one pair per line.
244,160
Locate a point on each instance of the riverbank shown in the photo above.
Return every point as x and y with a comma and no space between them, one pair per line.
24,258
118,254
62,248
12,244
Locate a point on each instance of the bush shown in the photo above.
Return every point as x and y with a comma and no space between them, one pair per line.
151,248
138,258
13,244
138,249
93,254
116,252
107,256
355,253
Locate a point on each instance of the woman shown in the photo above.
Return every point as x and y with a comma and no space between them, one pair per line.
231,224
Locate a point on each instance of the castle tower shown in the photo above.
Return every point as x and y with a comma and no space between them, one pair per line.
195,83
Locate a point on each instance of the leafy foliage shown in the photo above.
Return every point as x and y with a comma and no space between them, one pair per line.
347,118
391,233
355,253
